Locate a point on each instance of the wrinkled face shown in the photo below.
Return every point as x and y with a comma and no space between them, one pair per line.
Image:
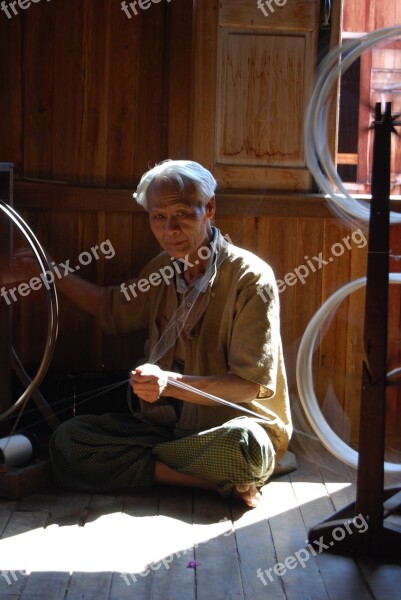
179,221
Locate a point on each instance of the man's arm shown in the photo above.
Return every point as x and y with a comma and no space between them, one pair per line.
149,383
229,387
84,294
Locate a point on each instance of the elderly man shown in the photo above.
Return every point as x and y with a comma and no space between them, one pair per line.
209,331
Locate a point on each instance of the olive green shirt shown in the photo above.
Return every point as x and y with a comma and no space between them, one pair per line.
231,330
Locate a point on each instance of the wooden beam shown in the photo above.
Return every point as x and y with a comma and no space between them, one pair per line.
34,195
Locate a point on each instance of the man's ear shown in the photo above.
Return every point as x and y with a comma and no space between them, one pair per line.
211,207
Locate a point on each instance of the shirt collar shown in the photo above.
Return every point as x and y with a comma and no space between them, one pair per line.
201,283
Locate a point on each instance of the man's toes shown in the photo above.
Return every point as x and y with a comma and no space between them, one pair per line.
242,488
252,500
248,493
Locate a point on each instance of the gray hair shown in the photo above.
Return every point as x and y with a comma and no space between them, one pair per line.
182,172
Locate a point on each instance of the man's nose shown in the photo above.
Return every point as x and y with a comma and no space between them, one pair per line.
171,224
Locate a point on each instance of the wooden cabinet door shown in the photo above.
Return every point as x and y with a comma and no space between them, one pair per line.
253,78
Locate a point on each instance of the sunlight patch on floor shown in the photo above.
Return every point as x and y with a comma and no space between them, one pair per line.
113,542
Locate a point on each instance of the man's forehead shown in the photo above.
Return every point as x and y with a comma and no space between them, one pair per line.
165,193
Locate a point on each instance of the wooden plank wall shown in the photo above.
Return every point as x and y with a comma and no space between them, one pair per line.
92,98
379,68
6,189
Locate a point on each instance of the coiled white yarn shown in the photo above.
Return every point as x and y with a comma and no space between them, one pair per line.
320,163
327,436
317,152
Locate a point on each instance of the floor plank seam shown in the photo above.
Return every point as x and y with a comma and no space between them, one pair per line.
276,559
67,587
366,582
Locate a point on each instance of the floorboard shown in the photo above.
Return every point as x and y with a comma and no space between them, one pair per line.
218,575
167,543
256,551
172,577
340,574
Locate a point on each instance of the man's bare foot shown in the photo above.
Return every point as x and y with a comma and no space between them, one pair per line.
248,493
165,474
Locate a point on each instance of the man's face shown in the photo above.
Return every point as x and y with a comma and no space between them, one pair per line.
180,223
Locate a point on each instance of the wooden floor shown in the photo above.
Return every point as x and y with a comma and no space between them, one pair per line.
178,544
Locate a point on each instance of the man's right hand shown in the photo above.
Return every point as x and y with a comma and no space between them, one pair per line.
23,266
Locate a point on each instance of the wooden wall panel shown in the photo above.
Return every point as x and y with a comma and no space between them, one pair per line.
6,334
253,129
204,84
11,96
367,15
254,93
180,78
150,140
386,72
332,362
67,91
93,108
394,349
356,15
298,15
123,99
38,88
95,72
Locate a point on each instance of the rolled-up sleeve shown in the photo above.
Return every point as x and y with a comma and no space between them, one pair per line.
255,341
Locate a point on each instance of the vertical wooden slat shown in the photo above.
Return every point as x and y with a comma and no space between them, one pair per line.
6,183
231,226
123,97
308,286
68,90
93,143
204,82
134,245
354,342
332,352
393,416
38,91
309,273
150,145
84,327
250,233
11,97
180,78
364,164
286,259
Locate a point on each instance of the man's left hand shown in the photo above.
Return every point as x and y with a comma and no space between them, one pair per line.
149,382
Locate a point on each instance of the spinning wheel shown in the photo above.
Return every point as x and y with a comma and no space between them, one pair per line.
372,502
52,306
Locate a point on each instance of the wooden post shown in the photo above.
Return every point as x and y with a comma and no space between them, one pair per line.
370,482
373,503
